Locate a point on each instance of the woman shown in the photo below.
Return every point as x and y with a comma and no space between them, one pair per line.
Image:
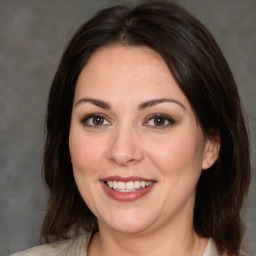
147,151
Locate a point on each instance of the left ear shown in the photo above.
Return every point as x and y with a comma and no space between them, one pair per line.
211,152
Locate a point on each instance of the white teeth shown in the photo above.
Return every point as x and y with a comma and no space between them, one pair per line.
110,183
115,186
121,185
136,184
129,186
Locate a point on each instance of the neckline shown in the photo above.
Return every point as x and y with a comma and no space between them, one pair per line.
211,249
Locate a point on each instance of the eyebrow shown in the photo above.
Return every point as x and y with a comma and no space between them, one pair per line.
143,105
152,103
95,102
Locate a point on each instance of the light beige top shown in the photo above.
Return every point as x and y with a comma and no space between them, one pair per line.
78,247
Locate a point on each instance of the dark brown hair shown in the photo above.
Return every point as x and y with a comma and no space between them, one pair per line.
203,75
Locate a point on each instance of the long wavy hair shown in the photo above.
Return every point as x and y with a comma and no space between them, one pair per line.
203,75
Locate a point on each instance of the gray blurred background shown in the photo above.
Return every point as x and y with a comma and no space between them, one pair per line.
33,34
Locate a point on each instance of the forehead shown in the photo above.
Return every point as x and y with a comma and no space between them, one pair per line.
126,59
127,71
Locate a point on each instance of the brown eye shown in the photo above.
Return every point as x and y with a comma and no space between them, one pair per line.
159,121
98,120
95,120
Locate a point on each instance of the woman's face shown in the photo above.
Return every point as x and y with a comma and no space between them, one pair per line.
137,149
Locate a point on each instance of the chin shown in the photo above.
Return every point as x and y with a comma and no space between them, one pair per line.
125,223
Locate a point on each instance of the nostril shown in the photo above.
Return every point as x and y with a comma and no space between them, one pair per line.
125,149
123,161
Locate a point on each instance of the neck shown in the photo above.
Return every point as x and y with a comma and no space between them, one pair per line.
165,241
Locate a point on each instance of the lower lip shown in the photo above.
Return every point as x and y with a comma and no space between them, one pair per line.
126,196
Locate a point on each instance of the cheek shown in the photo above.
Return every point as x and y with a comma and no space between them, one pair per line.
85,152
178,154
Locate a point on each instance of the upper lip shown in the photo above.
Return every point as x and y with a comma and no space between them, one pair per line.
125,179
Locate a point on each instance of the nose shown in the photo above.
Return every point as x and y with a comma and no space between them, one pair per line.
125,147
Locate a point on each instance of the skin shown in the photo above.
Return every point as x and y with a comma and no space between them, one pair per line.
128,142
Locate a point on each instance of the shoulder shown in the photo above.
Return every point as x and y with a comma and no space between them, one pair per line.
211,250
76,246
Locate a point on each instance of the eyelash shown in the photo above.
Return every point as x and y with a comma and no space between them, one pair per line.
166,118
170,121
86,118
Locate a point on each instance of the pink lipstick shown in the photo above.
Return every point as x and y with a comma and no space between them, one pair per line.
127,188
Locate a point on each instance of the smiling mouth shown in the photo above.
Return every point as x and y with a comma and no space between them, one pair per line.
130,186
